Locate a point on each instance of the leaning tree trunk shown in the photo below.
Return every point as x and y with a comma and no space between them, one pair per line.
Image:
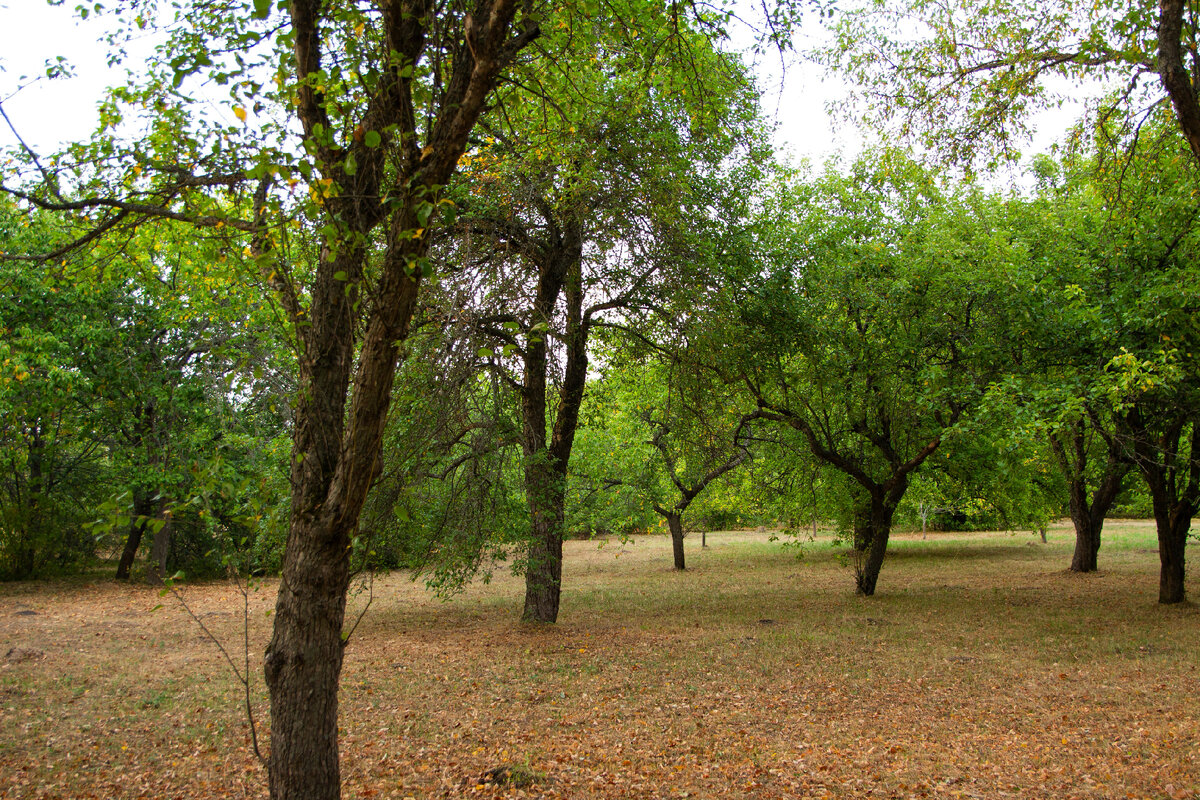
879,518
143,507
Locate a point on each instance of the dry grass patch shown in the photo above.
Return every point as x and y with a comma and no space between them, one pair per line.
982,669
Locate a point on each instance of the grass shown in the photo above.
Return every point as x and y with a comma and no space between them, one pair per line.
981,669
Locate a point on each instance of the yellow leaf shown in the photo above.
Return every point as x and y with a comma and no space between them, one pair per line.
240,113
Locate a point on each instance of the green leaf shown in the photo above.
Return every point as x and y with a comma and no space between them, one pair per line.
262,8
372,139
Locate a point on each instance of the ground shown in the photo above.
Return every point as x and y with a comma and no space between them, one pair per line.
981,669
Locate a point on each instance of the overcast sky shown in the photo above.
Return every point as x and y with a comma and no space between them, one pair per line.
49,113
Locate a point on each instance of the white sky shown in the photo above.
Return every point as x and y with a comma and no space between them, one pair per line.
49,113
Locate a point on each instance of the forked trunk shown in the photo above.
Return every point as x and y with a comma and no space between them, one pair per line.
1087,544
1087,516
546,461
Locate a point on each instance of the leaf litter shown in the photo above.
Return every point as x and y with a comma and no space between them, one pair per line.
653,684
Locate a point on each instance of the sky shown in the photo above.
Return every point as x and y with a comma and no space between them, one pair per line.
48,113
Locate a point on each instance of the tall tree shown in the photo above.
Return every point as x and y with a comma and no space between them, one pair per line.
370,106
575,206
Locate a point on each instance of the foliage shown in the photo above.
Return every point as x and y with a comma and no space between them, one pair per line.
966,78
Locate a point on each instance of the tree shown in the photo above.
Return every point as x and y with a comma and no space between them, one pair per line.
966,76
571,211
1144,303
679,433
52,468
876,325
384,97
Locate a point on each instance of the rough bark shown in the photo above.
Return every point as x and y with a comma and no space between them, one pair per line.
675,525
337,444
543,568
1070,448
878,513
546,461
1174,75
1173,479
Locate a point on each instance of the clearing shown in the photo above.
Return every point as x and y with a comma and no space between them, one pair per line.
982,669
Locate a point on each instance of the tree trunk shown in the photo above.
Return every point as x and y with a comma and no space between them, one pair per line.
160,549
25,560
544,489
132,542
675,524
1173,73
543,566
337,444
1172,519
880,524
1173,480
1087,543
862,529
143,511
1172,543
304,660
1087,517
546,462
